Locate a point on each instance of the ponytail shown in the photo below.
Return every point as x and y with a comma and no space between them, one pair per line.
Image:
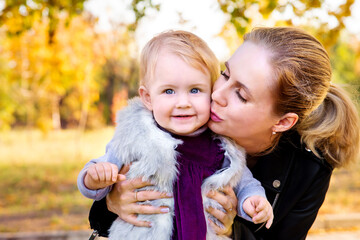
333,129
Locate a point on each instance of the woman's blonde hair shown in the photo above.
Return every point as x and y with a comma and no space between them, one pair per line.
192,49
328,120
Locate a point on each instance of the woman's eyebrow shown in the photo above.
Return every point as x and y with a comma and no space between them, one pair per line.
239,84
227,66
242,86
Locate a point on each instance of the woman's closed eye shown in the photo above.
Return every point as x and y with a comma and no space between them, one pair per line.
223,73
240,96
169,91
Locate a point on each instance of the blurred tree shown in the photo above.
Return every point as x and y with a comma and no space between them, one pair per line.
44,77
7,101
29,29
243,13
343,60
119,73
60,72
80,62
139,7
26,13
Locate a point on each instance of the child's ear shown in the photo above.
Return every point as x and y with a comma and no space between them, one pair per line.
286,122
145,97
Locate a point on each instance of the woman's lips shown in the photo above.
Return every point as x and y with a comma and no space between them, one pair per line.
215,117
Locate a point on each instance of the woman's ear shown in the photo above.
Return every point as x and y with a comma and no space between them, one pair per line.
145,97
286,122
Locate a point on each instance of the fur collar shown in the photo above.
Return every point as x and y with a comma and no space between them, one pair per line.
151,151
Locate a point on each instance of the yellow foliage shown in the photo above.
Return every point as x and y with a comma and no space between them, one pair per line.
58,78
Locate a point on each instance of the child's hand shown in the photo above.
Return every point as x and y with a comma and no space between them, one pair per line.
259,209
101,175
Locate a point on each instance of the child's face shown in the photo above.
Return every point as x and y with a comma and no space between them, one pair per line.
178,95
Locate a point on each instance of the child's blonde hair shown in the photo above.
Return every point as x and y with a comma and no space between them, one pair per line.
192,49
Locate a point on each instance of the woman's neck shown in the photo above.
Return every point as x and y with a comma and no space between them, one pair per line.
256,146
254,149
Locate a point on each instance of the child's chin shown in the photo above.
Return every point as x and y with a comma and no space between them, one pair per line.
183,132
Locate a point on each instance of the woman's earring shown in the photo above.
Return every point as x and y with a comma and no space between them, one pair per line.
273,133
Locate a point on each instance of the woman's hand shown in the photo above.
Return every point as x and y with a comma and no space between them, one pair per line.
228,200
122,200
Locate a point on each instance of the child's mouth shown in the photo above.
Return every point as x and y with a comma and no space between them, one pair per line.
183,116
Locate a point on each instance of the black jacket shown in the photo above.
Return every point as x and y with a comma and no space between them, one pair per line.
296,182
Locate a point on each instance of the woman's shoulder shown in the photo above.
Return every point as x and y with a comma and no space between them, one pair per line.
290,157
291,145
290,166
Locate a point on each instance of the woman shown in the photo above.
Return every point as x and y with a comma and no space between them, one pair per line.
274,99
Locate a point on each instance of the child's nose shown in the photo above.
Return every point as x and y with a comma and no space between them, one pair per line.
183,101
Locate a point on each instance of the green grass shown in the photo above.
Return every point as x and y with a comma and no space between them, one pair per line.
38,174
344,191
38,180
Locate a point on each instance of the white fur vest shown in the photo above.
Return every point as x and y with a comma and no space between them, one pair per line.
151,151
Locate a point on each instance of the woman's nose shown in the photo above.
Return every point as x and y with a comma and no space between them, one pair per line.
219,95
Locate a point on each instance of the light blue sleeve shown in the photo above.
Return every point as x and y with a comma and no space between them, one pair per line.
102,192
248,186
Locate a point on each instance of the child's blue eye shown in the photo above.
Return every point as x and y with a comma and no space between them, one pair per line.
194,90
169,91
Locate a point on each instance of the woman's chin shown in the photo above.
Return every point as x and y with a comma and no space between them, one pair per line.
214,126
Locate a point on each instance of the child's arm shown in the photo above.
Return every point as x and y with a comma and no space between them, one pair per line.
259,209
248,187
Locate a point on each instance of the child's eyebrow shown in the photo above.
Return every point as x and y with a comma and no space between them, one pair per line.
200,84
167,85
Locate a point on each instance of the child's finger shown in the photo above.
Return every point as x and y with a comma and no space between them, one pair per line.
260,206
261,216
264,215
92,173
120,177
269,222
271,218
100,171
114,173
107,172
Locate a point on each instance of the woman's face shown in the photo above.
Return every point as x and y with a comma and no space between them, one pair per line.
243,99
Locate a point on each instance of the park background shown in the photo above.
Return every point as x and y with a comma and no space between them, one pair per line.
66,67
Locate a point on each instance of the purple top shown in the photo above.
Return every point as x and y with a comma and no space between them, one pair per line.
200,156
